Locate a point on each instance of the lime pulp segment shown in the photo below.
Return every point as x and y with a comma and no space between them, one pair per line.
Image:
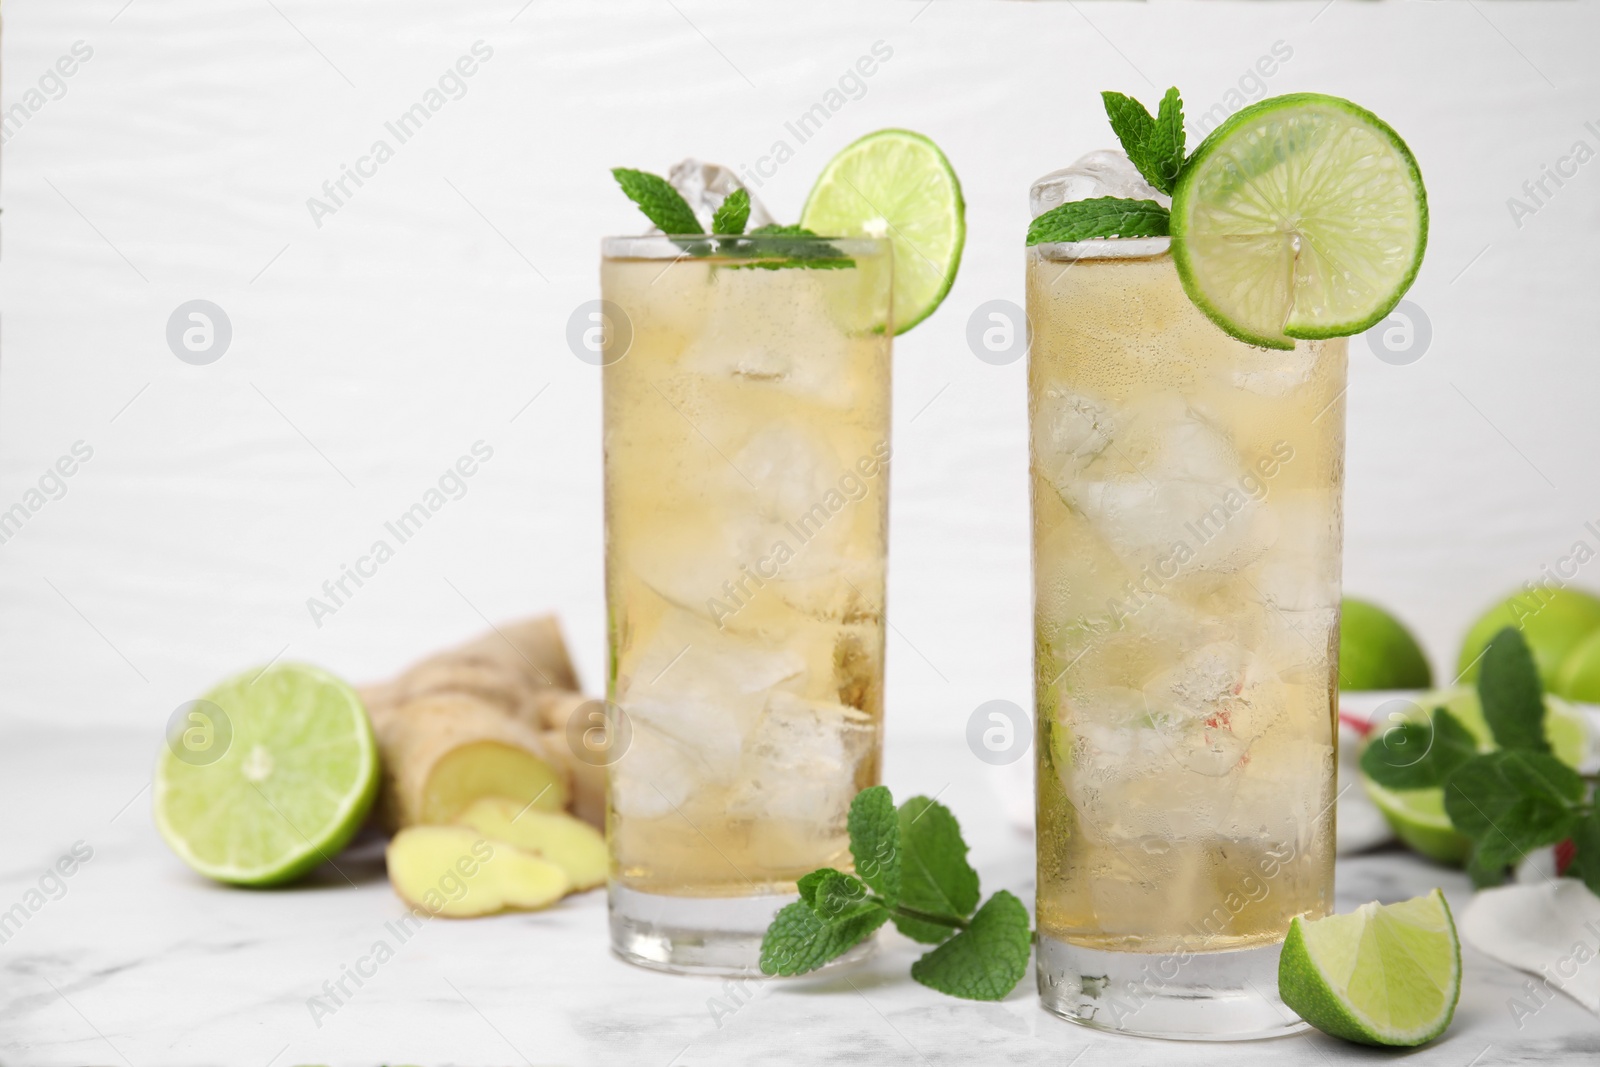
896,184
1380,975
295,777
1302,216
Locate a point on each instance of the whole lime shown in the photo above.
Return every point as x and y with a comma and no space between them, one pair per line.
1578,677
1376,651
1552,621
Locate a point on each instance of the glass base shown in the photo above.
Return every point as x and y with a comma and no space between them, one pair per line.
1198,996
700,935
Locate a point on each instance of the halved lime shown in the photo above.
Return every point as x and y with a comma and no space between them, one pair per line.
1381,975
295,776
1417,816
896,184
1302,216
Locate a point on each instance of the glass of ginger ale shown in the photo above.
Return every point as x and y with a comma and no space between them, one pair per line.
746,408
1186,389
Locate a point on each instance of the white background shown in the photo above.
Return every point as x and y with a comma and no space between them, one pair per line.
369,353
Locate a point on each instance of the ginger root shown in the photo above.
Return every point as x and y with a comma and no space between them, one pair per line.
571,844
458,873
487,718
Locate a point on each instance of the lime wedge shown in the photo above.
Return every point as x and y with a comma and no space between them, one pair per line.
1302,216
1417,815
267,776
1381,975
896,184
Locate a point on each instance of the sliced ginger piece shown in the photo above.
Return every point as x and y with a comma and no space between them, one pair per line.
460,873
480,768
571,844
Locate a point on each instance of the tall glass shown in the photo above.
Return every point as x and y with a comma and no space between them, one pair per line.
746,486
1186,550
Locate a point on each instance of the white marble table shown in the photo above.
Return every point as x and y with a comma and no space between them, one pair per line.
139,962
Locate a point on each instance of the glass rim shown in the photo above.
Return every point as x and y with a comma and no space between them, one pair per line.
666,246
1104,249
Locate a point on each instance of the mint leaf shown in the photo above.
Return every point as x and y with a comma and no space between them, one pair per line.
935,877
987,959
800,940
661,203
1101,216
807,885
1133,126
1543,777
1418,755
1512,697
1153,145
875,841
732,213
1509,803
841,896
782,230
1529,825
1164,147
1586,849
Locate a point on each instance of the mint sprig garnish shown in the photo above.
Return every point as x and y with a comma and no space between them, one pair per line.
913,870
1155,145
670,212
1510,801
732,213
663,205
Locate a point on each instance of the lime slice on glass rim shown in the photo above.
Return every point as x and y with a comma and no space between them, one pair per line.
1302,216
896,184
267,776
1381,975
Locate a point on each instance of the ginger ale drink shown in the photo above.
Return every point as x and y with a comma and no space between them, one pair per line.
746,481
1186,508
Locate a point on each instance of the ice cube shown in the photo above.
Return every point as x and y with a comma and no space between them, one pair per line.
786,343
1302,572
1069,431
777,523
1104,173
655,776
800,760
1272,372
706,185
808,518
1169,491
789,469
703,688
691,565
